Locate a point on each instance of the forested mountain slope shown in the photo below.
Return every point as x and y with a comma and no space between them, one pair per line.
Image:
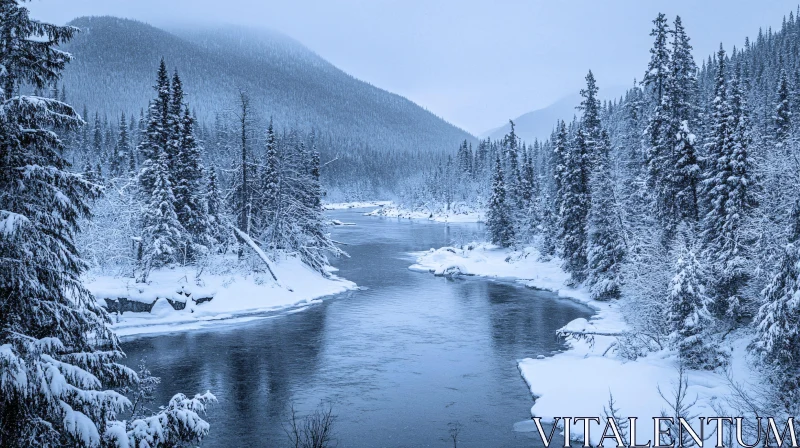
115,59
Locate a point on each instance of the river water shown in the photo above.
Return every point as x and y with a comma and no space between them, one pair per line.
401,361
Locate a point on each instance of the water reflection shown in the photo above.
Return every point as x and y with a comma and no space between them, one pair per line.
399,360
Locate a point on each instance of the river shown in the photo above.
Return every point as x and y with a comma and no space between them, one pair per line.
401,361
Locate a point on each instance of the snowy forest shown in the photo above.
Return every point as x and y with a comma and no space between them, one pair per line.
680,200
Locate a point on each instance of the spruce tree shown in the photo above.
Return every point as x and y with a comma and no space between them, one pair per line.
777,322
155,136
682,169
97,138
215,208
270,181
163,236
498,216
576,191
559,163
174,124
575,205
122,156
687,313
590,119
189,202
729,193
606,245
655,78
514,176
783,112
58,356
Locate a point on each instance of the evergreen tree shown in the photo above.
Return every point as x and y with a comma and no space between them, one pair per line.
270,181
590,120
574,213
97,138
783,112
243,191
687,313
514,176
215,208
163,236
559,163
58,355
777,322
576,192
132,156
174,124
606,246
729,194
122,152
189,202
498,219
156,133
682,170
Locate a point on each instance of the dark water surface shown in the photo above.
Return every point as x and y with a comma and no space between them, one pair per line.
401,360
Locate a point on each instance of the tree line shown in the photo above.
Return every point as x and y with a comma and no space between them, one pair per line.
681,198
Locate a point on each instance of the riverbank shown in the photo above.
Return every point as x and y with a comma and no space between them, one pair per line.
580,380
458,213
187,298
354,204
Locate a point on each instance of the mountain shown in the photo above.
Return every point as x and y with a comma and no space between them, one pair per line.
538,124
116,60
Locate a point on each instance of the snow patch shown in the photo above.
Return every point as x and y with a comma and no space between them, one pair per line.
235,295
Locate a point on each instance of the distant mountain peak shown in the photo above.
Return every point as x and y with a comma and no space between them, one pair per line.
539,123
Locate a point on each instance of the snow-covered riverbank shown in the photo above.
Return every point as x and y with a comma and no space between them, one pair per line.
235,296
459,213
578,382
355,204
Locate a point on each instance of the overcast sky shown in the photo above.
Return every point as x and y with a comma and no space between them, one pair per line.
475,63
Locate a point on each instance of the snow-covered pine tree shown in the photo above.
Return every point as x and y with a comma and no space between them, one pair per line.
575,206
513,176
606,246
559,163
215,208
175,124
576,192
498,215
687,314
163,237
729,193
659,137
529,195
155,137
133,159
590,119
777,323
715,177
243,189
683,168
122,156
57,353
190,205
464,158
97,139
269,182
783,113
313,251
